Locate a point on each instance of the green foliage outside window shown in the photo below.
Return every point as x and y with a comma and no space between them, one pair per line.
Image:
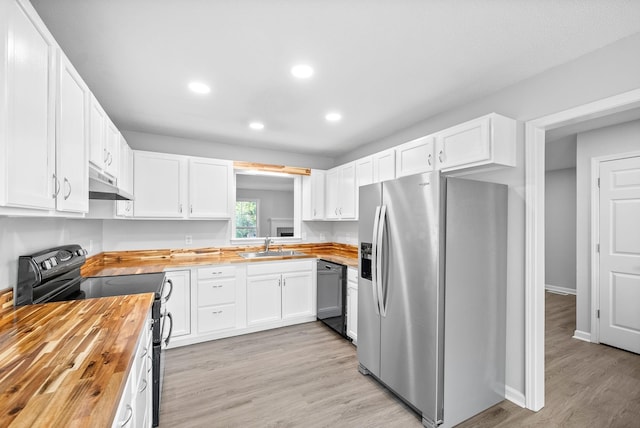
246,219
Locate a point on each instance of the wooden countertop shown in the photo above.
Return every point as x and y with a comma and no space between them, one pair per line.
66,364
151,261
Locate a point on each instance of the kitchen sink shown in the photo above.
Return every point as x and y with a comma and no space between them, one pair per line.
258,254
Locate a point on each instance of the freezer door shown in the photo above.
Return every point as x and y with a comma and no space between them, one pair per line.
411,327
368,313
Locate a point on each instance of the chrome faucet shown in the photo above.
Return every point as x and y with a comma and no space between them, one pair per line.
267,242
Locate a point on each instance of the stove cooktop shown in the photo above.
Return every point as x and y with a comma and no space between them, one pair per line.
106,286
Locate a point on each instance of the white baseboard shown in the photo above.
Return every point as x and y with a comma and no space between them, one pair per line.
582,335
558,289
515,396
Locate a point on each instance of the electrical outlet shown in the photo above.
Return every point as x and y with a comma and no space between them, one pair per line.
188,239
323,237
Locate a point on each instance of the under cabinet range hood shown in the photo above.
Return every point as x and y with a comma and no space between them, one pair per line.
101,186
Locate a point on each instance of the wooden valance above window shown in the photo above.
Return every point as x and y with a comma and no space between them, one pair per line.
272,168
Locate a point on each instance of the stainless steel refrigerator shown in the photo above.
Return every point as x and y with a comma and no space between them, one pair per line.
431,293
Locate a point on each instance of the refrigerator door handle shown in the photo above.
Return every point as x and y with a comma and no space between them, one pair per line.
378,269
374,255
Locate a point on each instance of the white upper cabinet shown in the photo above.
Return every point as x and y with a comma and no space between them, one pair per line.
313,193
27,110
71,139
488,141
210,193
415,156
384,165
172,186
125,179
97,121
112,148
341,192
159,185
364,171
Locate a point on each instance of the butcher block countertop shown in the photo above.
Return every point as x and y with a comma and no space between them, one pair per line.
151,261
66,364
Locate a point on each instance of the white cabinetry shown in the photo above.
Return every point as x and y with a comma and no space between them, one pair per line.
415,156
488,141
125,179
97,120
384,165
280,293
341,192
210,193
313,192
112,147
179,302
27,91
352,304
71,139
135,406
172,186
159,185
364,171
216,298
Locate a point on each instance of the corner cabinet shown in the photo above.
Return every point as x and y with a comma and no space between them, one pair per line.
280,293
173,186
313,195
488,141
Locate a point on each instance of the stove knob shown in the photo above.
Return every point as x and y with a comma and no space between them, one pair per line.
46,265
53,261
81,252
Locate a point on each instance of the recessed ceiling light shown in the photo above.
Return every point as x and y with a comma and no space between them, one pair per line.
302,71
256,125
333,117
199,88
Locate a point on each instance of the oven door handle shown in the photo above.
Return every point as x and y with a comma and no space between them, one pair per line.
168,296
166,341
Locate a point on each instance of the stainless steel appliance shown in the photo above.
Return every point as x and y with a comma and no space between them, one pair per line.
431,293
332,296
53,275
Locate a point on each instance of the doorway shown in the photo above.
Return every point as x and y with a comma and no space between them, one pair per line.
535,228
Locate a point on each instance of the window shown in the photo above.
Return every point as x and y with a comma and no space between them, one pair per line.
247,218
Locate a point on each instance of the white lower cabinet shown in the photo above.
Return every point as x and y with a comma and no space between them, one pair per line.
352,304
216,298
217,301
136,402
179,302
279,292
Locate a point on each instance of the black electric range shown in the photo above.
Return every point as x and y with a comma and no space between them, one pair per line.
53,275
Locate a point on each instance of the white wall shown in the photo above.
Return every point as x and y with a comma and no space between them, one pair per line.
608,71
560,228
622,138
185,146
22,236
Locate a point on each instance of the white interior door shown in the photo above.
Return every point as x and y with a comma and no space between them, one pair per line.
620,253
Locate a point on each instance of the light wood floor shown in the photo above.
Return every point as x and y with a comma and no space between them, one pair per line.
306,376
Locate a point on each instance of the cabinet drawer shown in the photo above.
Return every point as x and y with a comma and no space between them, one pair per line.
216,272
216,291
215,318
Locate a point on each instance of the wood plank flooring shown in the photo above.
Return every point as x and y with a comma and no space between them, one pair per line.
306,376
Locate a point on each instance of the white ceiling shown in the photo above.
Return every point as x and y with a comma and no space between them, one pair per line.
384,64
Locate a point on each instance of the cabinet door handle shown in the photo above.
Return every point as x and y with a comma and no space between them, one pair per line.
216,273
279,282
69,184
216,312
180,208
284,282
340,211
106,155
128,418
191,208
144,353
441,156
144,387
110,159
336,211
217,286
429,159
56,186
314,212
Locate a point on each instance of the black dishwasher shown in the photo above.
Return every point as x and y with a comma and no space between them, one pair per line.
332,296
